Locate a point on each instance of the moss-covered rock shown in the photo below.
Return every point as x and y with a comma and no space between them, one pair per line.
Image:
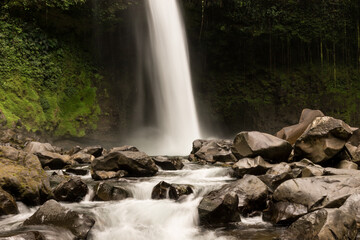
22,176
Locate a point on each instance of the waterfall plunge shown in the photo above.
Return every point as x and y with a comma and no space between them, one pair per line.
170,81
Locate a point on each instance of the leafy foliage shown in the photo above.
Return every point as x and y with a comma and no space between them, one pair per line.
45,83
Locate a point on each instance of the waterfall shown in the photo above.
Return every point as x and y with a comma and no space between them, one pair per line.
170,83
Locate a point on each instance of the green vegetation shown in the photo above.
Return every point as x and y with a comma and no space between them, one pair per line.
268,57
45,83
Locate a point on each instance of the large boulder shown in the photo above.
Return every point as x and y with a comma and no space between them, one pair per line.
106,191
136,164
284,212
313,193
73,190
168,163
292,133
48,156
53,214
7,204
249,194
22,176
211,151
323,139
252,144
323,224
253,166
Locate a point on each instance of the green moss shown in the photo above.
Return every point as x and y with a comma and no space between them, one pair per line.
45,83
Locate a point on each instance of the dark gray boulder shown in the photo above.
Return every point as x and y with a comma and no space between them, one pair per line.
324,138
250,194
7,204
72,190
323,224
53,214
106,191
164,190
252,144
136,164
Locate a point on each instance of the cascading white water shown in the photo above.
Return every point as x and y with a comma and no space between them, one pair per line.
171,89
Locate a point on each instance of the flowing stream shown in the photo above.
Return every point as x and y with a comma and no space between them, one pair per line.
142,218
170,83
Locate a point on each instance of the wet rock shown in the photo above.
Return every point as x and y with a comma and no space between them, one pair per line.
137,164
96,151
77,171
278,174
292,133
250,193
22,176
164,190
323,139
48,156
345,164
82,157
105,175
106,191
323,224
168,163
252,144
211,151
317,192
55,179
7,204
253,166
52,213
284,212
32,235
183,189
73,190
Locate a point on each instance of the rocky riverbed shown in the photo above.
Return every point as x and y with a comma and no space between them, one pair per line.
302,183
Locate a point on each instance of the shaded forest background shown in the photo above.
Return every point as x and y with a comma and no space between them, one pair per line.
67,68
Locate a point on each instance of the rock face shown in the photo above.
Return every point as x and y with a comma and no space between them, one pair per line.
292,133
252,144
73,190
323,224
22,176
168,163
164,190
7,204
248,194
136,164
323,139
48,155
106,191
211,151
312,193
253,166
52,213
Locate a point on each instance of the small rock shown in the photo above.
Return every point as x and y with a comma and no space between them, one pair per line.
164,190
105,175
